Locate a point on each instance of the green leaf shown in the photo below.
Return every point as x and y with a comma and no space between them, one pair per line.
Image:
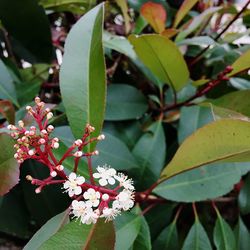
7,88
36,42
223,235
127,228
114,152
9,168
192,118
225,140
150,151
82,75
238,101
197,238
76,236
240,83
186,6
241,64
163,58
242,236
118,43
196,22
168,238
47,230
198,40
207,182
124,102
143,241
244,197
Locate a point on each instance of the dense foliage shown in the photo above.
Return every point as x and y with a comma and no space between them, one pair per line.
166,82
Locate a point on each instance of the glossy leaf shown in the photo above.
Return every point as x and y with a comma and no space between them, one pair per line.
163,58
226,140
82,73
37,44
241,64
196,22
115,153
207,182
9,168
7,87
244,197
186,6
197,238
124,102
242,236
238,101
77,236
198,40
168,238
223,235
127,228
155,14
150,151
47,230
240,83
143,241
8,111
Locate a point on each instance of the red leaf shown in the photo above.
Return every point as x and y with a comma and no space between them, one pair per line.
155,14
9,168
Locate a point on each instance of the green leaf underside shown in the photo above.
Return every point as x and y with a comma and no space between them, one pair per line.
242,236
82,75
9,168
244,197
224,140
197,238
223,235
124,102
77,236
163,58
47,230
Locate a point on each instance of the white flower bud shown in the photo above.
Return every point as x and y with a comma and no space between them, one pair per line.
27,133
49,115
11,127
55,139
40,104
105,197
96,152
21,123
78,143
101,137
78,154
31,133
47,110
31,152
16,155
44,132
37,100
60,167
29,178
55,145
53,173
29,108
41,141
38,190
33,128
20,161
50,128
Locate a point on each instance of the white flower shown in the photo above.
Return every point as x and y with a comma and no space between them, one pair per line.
90,217
79,208
125,182
110,213
124,200
106,175
92,197
72,184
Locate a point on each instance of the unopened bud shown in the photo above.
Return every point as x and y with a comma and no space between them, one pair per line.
21,123
55,145
41,141
105,197
55,139
31,152
38,190
29,178
37,100
96,152
29,108
60,167
101,137
20,161
53,174
90,128
16,155
27,133
44,132
47,110
40,104
31,133
49,115
78,143
78,154
33,128
50,128
11,127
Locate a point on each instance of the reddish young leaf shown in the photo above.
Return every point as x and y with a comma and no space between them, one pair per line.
9,168
8,111
155,14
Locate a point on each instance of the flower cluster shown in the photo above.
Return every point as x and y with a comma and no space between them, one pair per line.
113,193
92,202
